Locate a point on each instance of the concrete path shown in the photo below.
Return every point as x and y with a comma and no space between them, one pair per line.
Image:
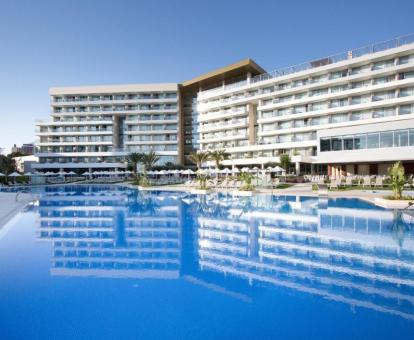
11,204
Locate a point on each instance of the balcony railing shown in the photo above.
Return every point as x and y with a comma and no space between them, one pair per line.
358,52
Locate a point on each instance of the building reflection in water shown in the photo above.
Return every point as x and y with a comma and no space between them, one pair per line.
361,256
108,232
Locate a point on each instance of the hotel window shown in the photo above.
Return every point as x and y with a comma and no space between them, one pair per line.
339,88
300,109
283,112
360,99
285,99
406,75
401,138
283,86
314,121
268,114
360,69
348,142
336,143
319,106
411,137
360,84
386,139
373,140
339,74
267,90
285,138
360,142
406,109
383,80
339,118
383,112
300,82
406,59
406,91
383,95
301,95
269,127
319,92
383,64
285,125
359,115
339,102
320,78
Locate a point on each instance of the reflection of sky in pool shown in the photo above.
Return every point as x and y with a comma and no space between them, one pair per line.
108,262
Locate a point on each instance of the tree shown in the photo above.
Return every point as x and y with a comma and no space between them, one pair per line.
285,161
199,157
218,156
247,178
149,160
202,179
397,174
7,164
134,158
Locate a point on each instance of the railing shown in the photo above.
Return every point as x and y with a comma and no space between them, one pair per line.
358,52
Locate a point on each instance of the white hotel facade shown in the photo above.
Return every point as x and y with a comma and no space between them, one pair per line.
349,113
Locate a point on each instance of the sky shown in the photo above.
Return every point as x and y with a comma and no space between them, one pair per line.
86,42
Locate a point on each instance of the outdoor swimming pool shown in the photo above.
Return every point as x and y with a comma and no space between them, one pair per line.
101,262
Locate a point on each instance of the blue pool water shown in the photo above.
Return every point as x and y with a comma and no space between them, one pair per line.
104,262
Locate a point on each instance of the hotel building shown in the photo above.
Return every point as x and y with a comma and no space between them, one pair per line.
350,113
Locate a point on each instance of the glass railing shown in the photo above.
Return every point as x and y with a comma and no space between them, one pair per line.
370,49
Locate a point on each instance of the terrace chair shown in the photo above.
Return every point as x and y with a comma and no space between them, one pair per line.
333,184
229,184
275,183
232,184
224,184
379,182
348,181
366,182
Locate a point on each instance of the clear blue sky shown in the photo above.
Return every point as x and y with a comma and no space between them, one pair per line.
82,42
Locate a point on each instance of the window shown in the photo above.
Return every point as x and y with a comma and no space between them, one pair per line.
319,92
339,118
406,109
401,138
360,142
336,143
373,140
339,74
383,112
383,80
406,59
383,64
360,69
339,88
300,109
325,144
411,137
407,91
407,75
386,139
383,95
348,142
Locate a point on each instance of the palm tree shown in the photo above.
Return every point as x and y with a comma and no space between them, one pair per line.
199,157
218,156
149,160
397,174
134,158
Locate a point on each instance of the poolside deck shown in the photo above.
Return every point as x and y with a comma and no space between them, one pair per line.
10,205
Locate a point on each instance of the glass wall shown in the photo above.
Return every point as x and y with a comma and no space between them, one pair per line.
372,140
